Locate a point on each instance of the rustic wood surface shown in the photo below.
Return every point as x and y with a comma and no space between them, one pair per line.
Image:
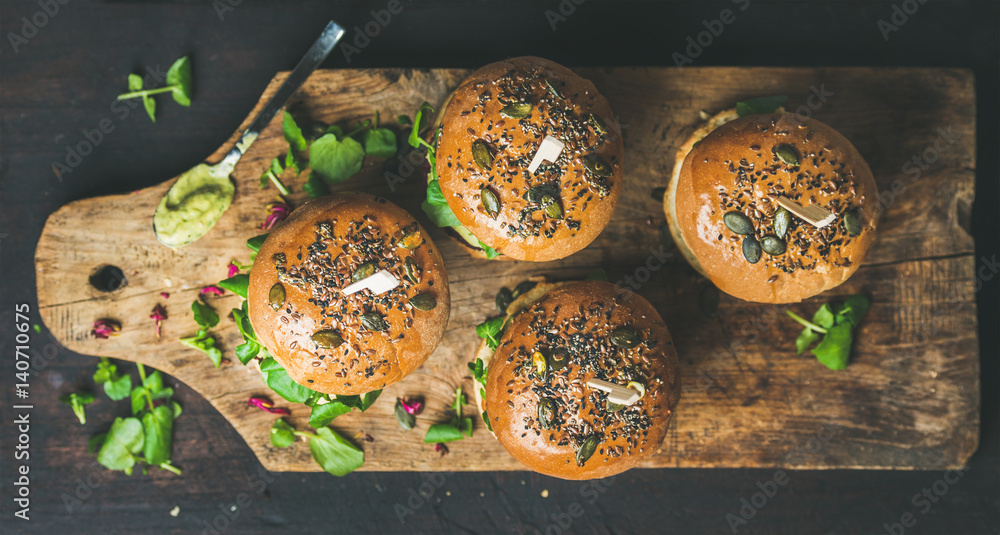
909,399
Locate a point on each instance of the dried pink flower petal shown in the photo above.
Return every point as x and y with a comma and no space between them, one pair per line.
233,269
211,289
441,448
265,405
277,212
159,314
105,328
165,295
413,406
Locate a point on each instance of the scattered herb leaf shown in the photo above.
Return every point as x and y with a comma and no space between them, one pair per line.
76,401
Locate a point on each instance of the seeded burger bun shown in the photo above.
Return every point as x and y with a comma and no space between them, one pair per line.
493,125
721,205
348,344
537,399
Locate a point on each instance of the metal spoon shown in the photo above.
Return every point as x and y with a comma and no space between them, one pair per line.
200,195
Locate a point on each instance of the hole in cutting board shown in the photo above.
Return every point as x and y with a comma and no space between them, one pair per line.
108,278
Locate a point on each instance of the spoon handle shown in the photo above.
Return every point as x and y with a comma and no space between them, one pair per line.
313,58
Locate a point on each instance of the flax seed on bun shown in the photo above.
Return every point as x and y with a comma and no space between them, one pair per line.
348,344
732,164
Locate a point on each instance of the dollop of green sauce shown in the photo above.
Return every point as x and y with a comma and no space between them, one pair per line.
193,204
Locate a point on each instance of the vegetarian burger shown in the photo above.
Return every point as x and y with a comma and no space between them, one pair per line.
349,294
772,207
544,398
528,161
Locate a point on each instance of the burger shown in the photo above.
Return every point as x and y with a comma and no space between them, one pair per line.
349,294
526,161
551,366
771,206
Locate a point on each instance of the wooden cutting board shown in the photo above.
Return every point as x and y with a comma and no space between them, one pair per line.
909,399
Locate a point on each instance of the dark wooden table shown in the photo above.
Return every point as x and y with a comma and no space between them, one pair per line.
59,82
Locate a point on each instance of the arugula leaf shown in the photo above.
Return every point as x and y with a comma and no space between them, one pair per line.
237,284
121,444
437,208
204,316
95,443
335,130
833,326
282,434
256,242
824,316
443,433
293,134
179,81
242,319
379,142
414,139
116,386
138,399
406,420
277,378
76,401
805,339
334,453
135,84
334,159
315,186
178,85
205,343
273,173
479,370
854,308
835,348
322,415
491,330
247,351
456,429
491,253
158,425
756,106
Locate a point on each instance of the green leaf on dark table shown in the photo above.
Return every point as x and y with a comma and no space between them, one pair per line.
76,401
158,425
179,78
334,453
835,348
853,309
805,339
824,317
95,442
121,444
116,386
336,160
237,284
